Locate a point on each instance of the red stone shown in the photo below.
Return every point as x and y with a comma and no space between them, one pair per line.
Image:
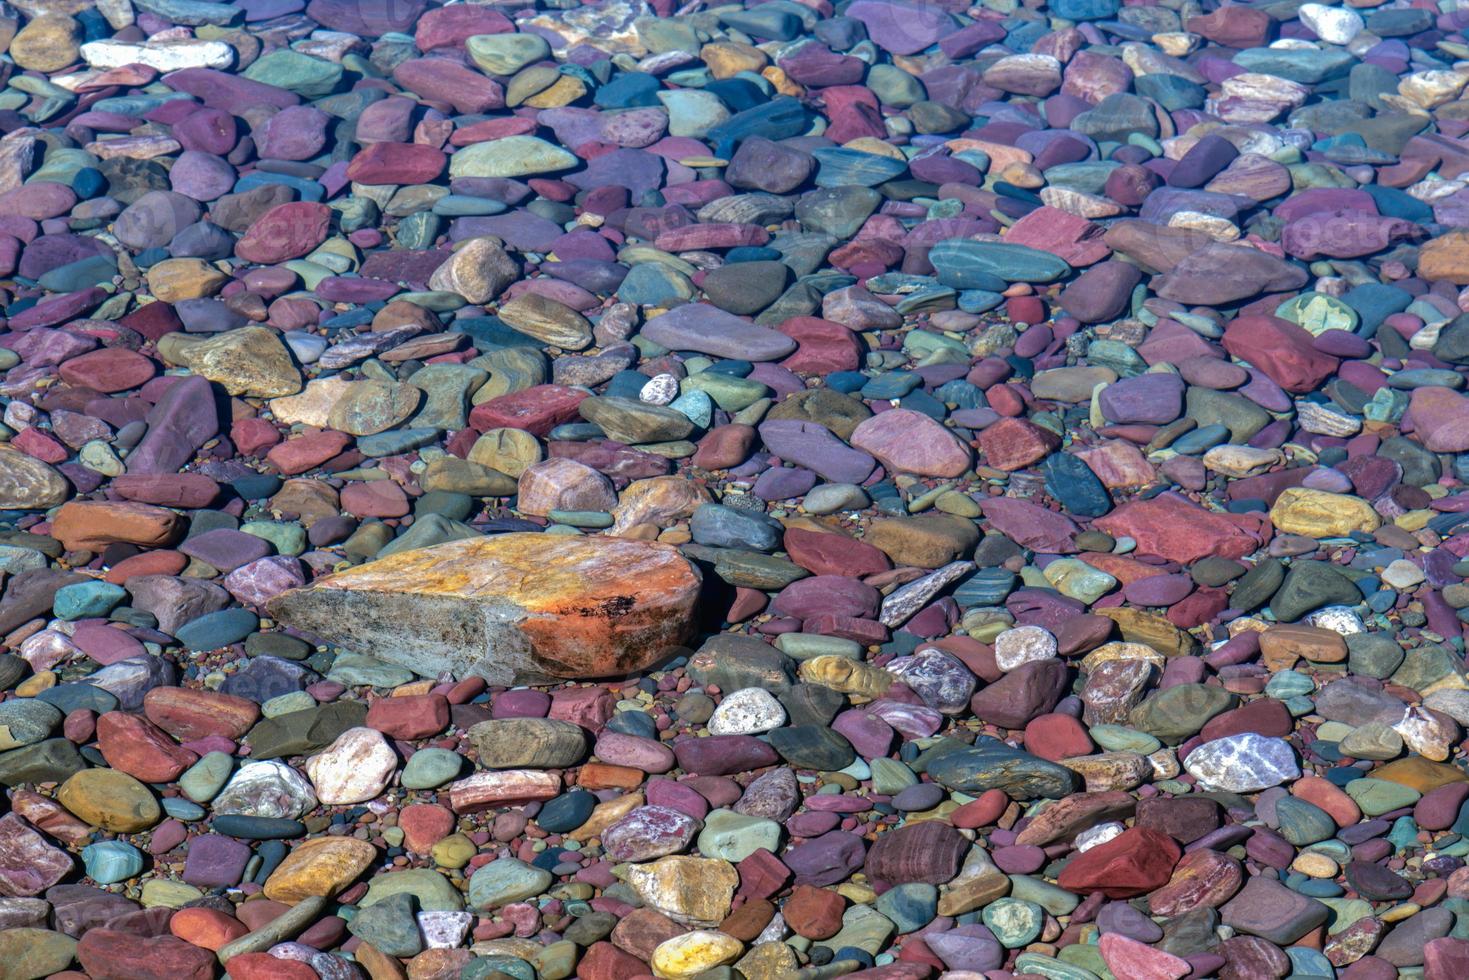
725,446
188,714
492,129
286,231
307,451
250,436
1056,737
604,961
1133,863
379,498
148,563
1139,961
833,554
207,928
815,913
153,320
410,717
396,163
824,346
449,27
263,966
108,370
537,410
589,707
141,749
1012,444
442,80
187,490
121,956
1446,958
1235,26
1173,527
41,445
981,812
1281,349
762,874
424,825
1264,717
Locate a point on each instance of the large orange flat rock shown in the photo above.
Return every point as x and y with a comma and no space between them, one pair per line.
512,608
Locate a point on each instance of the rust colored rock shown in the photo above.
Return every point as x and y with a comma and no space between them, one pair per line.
189,714
1173,527
815,913
512,608
141,749
409,717
1133,863
91,525
121,956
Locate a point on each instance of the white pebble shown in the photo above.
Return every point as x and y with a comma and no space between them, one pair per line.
660,390
748,711
1022,645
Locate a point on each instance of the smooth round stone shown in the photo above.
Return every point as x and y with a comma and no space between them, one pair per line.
431,768
112,861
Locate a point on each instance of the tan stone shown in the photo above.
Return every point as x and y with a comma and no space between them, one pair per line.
511,608
248,361
1281,646
1155,631
847,675
694,891
659,500
109,799
1446,257
547,320
177,279
508,451
320,866
479,270
48,43
1319,514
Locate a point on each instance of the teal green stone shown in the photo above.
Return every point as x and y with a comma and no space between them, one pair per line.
111,861
296,72
1014,922
734,836
909,906
1053,898
1052,968
1307,65
358,670
727,391
390,926
431,768
1289,684
1117,738
1378,796
202,781
966,264
85,600
504,881
1303,823
435,893
890,777
289,538
582,518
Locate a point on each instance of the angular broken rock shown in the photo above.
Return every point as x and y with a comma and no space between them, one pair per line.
511,608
